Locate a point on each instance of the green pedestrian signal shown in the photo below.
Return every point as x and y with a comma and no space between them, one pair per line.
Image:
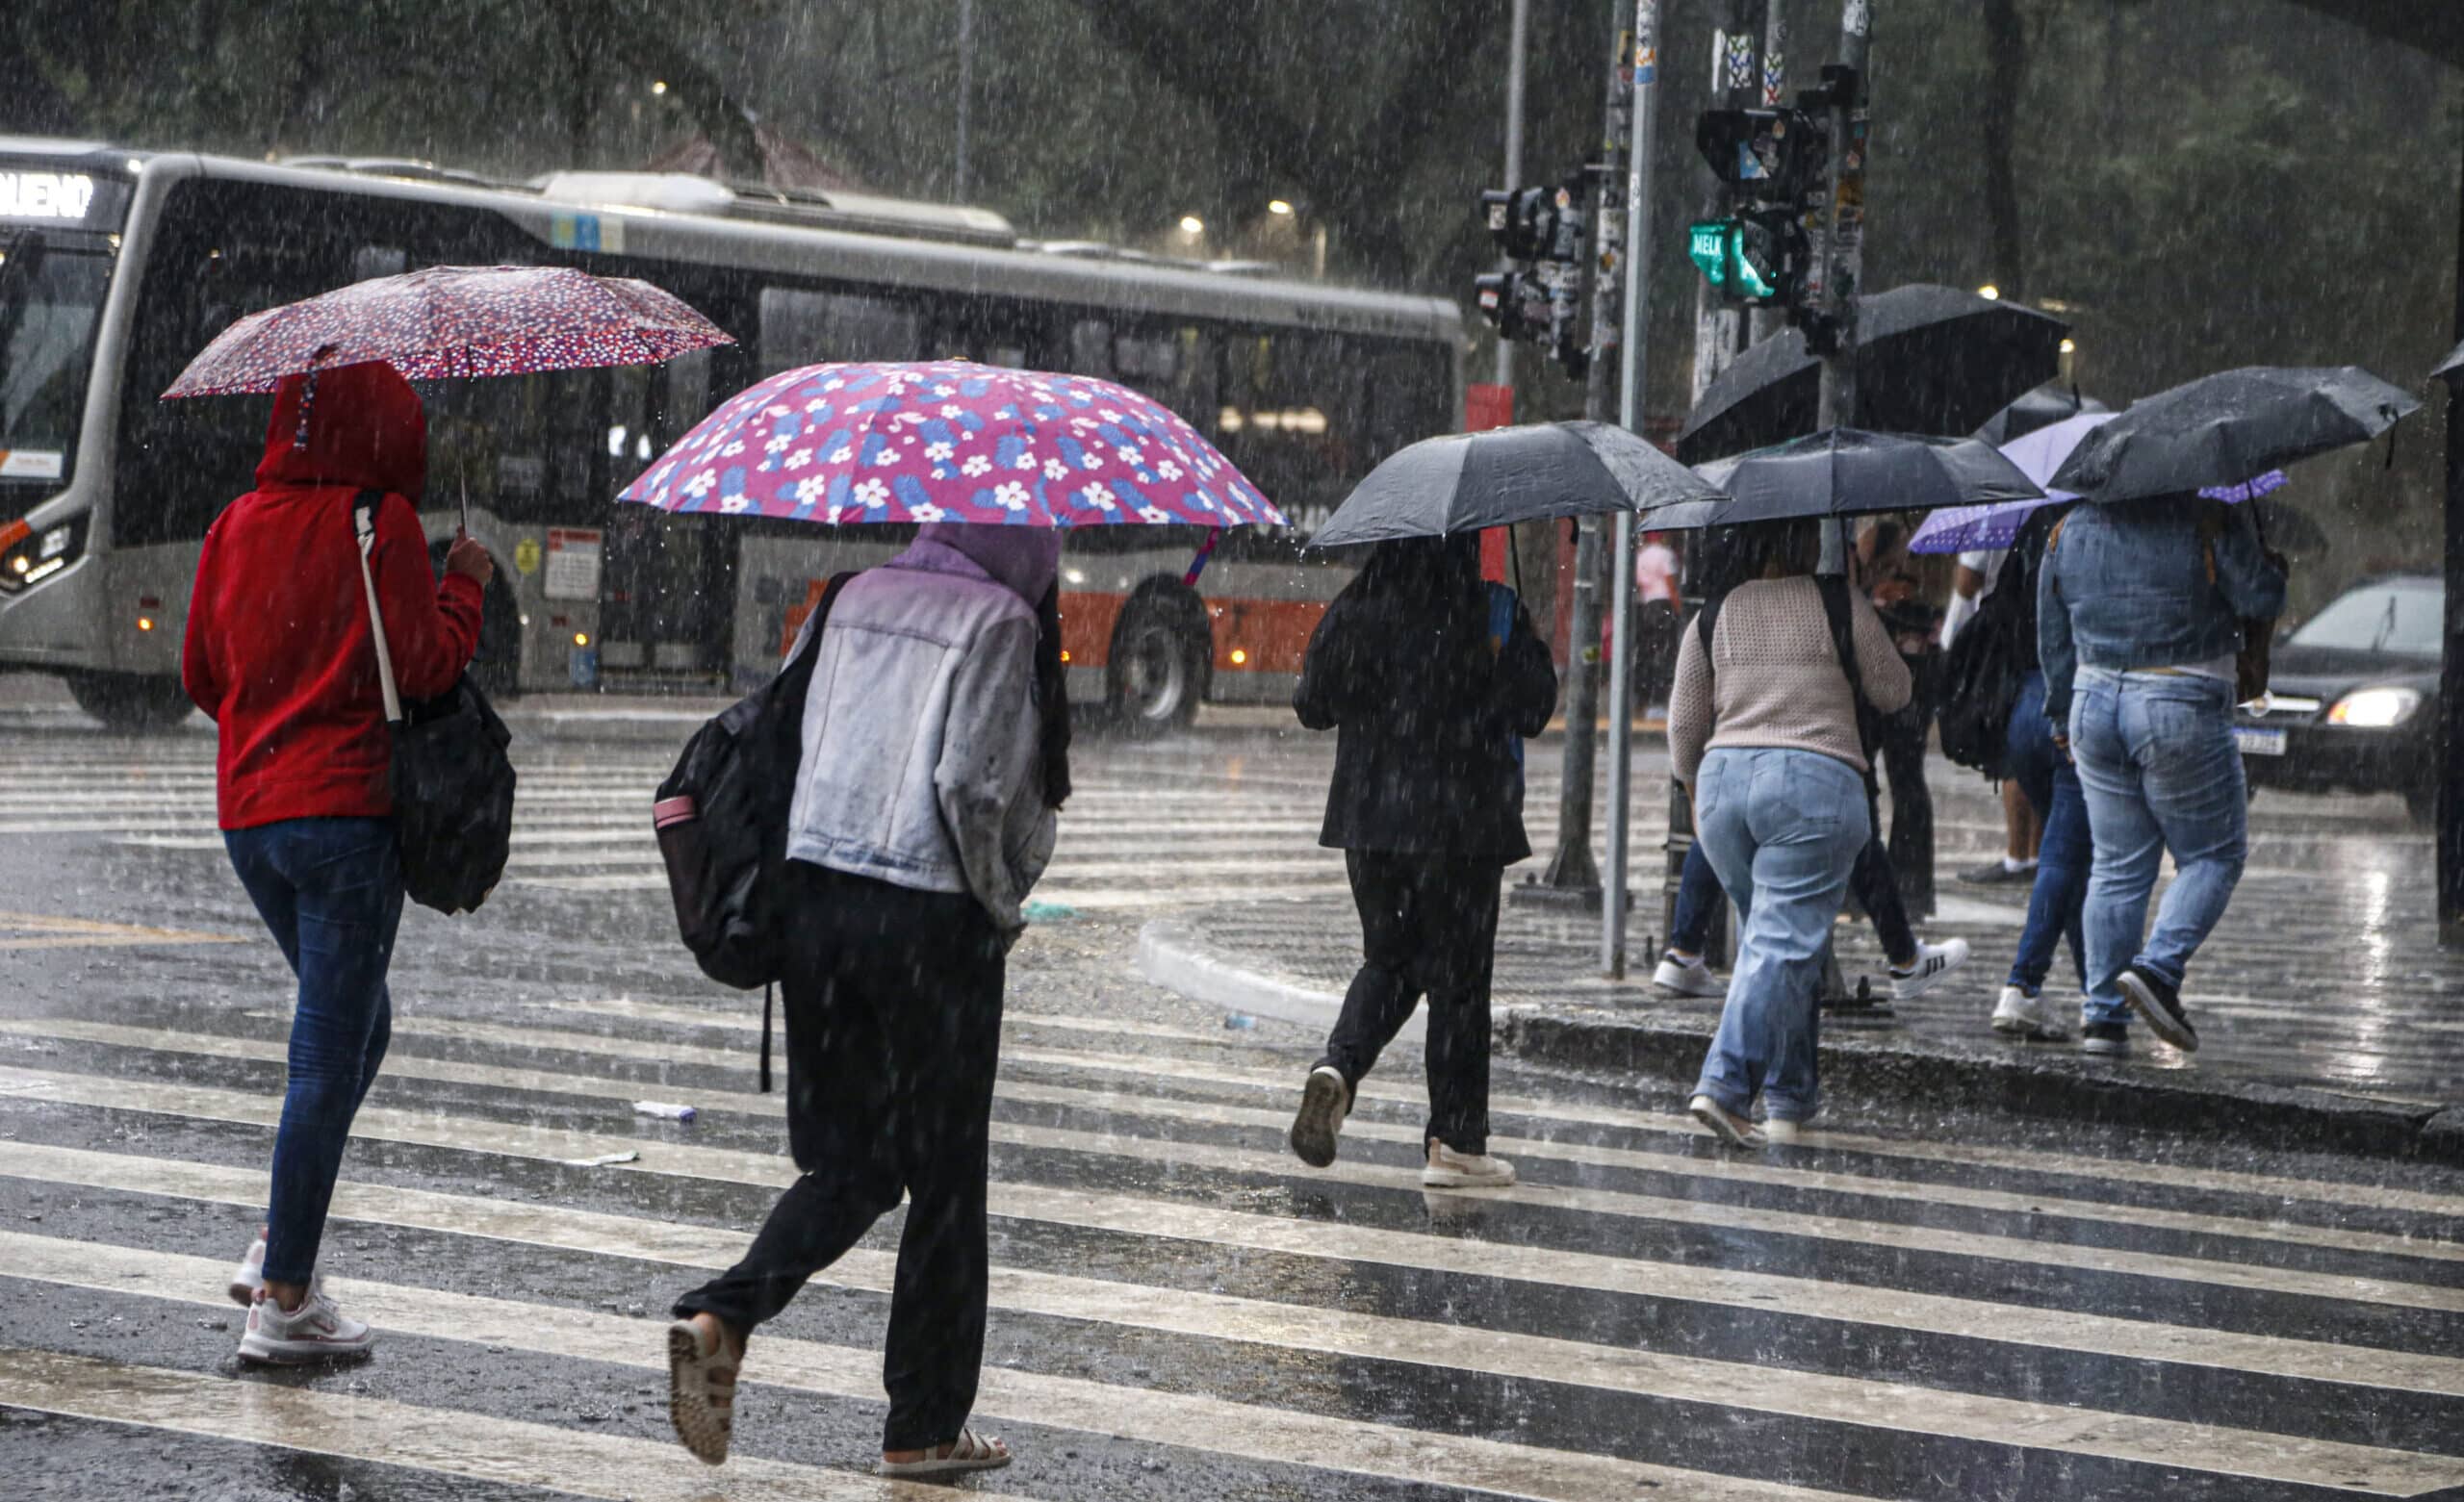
1742,258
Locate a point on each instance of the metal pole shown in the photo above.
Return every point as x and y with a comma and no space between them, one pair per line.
1769,321
1517,33
2450,679
966,90
1571,871
1632,376
1843,248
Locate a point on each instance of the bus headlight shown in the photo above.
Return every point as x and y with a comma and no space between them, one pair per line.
28,557
2374,708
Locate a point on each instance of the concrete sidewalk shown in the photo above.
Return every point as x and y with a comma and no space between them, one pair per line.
2323,1004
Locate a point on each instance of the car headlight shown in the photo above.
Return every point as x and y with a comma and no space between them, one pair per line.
2375,708
28,556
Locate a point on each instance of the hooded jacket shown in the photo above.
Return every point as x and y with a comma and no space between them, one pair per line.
278,650
922,739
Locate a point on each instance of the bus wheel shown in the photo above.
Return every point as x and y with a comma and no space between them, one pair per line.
1158,672
131,703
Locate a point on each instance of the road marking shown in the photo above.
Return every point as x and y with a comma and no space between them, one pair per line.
1237,1159
1213,1426
1185,1221
450,1442
42,931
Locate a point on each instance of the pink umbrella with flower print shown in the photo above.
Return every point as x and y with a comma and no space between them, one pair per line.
949,440
450,321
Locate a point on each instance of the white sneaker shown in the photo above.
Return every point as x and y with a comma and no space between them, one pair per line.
1687,978
317,1331
1449,1169
1777,1132
1933,961
1734,1131
249,1276
1324,1101
2020,1015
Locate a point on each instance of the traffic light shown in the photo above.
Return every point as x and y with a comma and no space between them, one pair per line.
1536,223
1539,301
1516,303
1758,256
1768,156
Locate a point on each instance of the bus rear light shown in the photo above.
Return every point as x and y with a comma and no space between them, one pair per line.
145,623
1065,656
1239,656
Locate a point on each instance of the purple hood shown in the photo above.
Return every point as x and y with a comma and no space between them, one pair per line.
1022,559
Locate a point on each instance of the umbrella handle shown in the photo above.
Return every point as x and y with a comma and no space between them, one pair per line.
1205,551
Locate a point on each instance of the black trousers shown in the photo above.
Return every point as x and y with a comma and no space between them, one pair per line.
894,1007
1912,805
1429,926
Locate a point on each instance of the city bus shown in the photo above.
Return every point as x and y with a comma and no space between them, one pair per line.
117,266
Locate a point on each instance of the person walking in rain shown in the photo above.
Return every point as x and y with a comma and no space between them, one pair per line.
935,757
1763,731
1428,692
280,654
2139,606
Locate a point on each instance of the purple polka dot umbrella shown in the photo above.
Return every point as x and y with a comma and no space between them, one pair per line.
449,321
949,440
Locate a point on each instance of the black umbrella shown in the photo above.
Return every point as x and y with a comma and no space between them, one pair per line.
2041,407
1462,482
1848,472
2451,366
2229,428
1929,360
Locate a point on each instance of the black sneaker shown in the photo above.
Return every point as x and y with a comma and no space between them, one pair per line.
1998,871
2104,1037
2160,1006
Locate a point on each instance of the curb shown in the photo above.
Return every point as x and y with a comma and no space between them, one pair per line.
2034,1083
1172,956
2055,1086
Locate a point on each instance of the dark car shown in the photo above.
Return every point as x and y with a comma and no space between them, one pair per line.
2352,697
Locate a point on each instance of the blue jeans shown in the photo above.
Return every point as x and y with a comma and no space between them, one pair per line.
1782,829
1698,895
2160,773
2031,760
331,892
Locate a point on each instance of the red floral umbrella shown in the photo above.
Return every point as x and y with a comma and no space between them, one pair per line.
448,322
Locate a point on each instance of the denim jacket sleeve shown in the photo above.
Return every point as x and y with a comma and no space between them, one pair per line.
2054,652
987,760
2250,584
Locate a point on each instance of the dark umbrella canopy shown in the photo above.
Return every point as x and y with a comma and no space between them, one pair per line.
2040,408
1462,482
1929,360
2230,427
1848,472
2451,367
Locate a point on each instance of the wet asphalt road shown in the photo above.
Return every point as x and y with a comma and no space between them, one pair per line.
1908,1307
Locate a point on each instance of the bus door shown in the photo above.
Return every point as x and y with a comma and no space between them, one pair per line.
666,581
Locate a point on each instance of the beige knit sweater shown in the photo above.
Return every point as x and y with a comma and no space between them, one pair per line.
1779,682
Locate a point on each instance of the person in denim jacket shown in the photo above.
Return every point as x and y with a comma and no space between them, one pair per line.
2139,617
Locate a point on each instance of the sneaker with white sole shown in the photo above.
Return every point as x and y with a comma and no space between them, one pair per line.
1779,1132
2158,1005
317,1331
1449,1169
1934,962
701,1390
1732,1129
1324,1101
250,1277
2021,1016
2110,1039
1679,976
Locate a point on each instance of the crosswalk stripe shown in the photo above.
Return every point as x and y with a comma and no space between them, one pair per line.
1180,1220
1622,1203
1214,1113
447,1441
1213,1425
2449,1208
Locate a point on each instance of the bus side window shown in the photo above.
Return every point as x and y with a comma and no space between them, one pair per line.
802,327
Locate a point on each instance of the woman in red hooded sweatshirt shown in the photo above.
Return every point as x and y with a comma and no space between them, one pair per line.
279,653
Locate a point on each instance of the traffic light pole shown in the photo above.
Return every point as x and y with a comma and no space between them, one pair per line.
1630,386
1572,872
1843,244
2451,682
1518,35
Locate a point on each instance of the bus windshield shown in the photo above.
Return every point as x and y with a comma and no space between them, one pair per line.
51,293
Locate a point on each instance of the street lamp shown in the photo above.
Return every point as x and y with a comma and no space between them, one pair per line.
1192,224
658,85
1989,292
1278,206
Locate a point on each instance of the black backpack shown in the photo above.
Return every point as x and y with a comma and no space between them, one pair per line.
1982,673
722,822
450,776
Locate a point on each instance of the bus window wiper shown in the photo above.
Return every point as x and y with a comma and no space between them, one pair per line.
2386,626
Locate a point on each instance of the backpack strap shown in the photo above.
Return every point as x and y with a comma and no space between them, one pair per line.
1707,622
1833,590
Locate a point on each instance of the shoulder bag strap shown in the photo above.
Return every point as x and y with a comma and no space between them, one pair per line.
363,521
1833,590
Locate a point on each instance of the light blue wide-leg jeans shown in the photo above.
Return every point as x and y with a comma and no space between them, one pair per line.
1782,829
